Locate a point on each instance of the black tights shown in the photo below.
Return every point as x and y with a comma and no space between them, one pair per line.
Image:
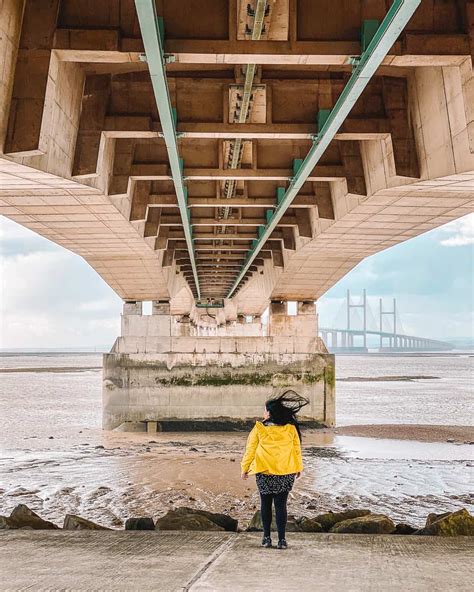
281,515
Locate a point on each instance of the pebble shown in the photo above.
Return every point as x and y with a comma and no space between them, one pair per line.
51,438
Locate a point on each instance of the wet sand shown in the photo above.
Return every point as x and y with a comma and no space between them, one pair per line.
420,433
108,477
55,458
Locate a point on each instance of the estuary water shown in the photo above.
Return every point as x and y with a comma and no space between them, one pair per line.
55,458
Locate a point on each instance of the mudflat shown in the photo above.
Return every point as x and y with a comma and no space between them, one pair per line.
420,433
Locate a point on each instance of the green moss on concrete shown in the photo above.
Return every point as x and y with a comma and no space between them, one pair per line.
226,379
330,375
245,379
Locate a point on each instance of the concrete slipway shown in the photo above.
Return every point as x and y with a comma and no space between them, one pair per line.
198,561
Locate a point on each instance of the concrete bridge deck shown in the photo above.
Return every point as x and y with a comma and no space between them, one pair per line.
172,561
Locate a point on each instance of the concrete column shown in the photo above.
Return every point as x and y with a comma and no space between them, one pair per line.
160,307
334,339
303,324
132,307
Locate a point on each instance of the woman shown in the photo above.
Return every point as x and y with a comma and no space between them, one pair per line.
273,454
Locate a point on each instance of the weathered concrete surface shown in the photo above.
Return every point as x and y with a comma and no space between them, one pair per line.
86,560
160,370
81,162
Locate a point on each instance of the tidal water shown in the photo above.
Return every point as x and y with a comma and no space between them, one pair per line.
55,457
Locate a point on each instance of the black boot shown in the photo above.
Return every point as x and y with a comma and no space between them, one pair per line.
282,544
266,542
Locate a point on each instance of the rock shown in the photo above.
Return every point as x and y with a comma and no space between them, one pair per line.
73,522
192,516
256,525
403,528
139,524
193,449
450,440
459,523
329,519
172,521
99,447
293,524
368,524
22,517
51,438
434,517
5,523
309,525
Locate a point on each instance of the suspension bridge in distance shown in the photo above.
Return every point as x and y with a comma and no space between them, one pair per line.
362,330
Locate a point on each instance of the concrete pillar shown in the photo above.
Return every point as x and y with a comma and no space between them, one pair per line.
303,324
334,339
131,307
157,375
160,307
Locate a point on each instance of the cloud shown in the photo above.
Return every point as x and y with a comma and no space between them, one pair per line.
462,232
50,297
434,285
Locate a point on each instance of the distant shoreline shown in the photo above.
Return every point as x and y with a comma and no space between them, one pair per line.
415,432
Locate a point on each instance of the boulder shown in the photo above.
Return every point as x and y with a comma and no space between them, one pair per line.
73,522
255,525
23,517
459,523
329,519
5,523
139,524
434,517
309,525
191,519
369,524
403,528
222,520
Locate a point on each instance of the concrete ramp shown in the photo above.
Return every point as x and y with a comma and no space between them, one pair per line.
182,561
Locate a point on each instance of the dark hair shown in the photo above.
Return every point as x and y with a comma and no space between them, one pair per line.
283,409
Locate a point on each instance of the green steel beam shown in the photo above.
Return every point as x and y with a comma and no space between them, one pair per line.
152,34
365,67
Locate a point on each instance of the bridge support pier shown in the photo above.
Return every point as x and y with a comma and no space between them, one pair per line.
160,370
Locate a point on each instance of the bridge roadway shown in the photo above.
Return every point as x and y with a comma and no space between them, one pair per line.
225,562
83,159
344,338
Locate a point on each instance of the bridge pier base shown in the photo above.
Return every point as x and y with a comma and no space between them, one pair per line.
160,370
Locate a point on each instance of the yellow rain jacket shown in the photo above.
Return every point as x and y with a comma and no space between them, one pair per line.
272,449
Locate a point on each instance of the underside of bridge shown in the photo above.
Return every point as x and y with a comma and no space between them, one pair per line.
232,153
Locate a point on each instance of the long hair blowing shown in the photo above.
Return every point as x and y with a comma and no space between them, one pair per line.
283,409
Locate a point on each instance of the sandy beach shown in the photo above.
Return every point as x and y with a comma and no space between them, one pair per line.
420,433
55,458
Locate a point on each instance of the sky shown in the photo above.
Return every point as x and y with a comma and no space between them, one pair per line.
51,298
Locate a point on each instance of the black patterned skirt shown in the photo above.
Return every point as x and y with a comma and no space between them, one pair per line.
274,484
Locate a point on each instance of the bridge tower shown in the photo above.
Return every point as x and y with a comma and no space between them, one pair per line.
393,313
363,306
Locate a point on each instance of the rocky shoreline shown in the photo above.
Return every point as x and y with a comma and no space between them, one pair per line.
355,521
